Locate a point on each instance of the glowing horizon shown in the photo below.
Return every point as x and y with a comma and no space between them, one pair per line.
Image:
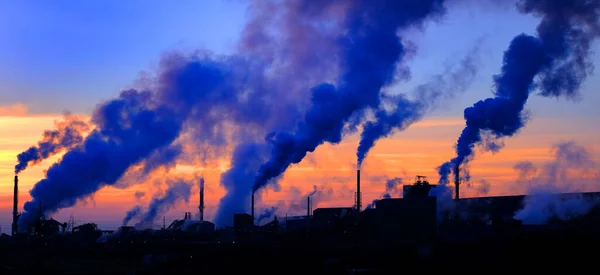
413,152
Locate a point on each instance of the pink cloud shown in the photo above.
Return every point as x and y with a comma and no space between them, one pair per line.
17,109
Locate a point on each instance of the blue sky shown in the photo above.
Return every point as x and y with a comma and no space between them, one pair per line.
70,54
57,55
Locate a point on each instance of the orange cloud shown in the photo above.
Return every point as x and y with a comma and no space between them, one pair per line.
18,109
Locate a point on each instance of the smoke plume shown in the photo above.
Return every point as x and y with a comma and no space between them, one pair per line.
297,205
572,170
132,213
369,51
68,133
392,187
295,43
557,56
179,190
406,112
193,95
266,214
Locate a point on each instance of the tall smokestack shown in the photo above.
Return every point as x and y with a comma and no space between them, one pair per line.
15,206
456,182
308,207
252,207
357,203
201,206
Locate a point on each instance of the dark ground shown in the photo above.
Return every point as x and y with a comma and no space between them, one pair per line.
507,249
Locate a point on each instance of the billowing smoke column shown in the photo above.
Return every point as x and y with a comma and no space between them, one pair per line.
245,160
370,49
132,213
570,171
128,130
296,40
405,112
558,57
68,133
179,190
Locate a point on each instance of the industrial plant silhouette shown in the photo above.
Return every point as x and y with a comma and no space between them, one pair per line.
394,234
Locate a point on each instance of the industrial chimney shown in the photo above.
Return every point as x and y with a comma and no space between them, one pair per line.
456,182
201,206
357,203
15,206
252,207
308,207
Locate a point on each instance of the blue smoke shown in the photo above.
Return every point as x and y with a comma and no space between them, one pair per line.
132,213
370,50
406,112
68,133
179,190
266,214
557,56
391,187
245,161
128,130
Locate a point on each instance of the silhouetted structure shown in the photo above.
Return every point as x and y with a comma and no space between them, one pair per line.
201,206
456,183
358,195
333,240
15,213
420,188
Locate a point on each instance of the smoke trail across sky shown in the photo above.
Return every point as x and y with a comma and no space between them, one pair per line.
405,112
67,134
141,124
370,49
555,62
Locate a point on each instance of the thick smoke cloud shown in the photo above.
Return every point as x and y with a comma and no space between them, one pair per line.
145,125
295,43
555,62
405,112
177,191
369,51
246,158
572,170
67,134
202,105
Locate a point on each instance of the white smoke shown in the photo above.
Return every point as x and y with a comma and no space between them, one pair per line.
572,170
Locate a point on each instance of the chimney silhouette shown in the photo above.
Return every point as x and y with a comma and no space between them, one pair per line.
456,183
15,225
358,203
201,206
308,207
252,208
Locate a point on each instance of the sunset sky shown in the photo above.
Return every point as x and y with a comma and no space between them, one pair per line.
68,55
